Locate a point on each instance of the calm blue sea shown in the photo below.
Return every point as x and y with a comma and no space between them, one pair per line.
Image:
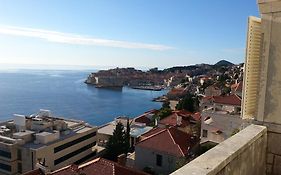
66,94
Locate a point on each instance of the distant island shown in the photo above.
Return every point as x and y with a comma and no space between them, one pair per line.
153,79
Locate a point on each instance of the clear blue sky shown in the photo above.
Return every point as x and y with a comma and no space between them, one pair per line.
142,33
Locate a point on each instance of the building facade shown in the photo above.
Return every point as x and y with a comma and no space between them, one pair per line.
44,139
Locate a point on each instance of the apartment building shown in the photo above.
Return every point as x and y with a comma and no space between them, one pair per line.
44,139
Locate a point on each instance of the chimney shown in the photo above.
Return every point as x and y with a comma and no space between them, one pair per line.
121,159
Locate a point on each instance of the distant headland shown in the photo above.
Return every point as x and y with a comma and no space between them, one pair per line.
153,79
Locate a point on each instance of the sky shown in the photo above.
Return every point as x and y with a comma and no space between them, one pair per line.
123,33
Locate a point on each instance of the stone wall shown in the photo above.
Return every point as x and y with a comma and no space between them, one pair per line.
244,153
269,101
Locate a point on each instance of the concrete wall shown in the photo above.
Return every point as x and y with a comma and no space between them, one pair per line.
242,154
12,148
47,153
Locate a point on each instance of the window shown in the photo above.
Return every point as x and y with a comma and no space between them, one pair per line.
84,159
76,141
205,133
74,153
19,168
159,160
5,154
19,154
5,167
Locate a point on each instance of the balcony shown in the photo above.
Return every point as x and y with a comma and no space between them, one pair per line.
243,153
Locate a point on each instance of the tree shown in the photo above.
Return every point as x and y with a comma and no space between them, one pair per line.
164,112
117,143
226,90
166,104
127,136
189,102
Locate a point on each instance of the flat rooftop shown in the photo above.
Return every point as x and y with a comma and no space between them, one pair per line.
50,129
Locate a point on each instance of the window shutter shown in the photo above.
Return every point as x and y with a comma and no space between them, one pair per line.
252,68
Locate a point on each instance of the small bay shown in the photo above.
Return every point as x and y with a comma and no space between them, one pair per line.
66,95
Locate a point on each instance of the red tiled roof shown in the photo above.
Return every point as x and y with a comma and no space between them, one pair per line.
177,91
239,87
152,132
98,166
229,100
143,119
171,141
152,111
183,113
207,98
171,120
196,116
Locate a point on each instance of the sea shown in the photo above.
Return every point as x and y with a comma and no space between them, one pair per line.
66,95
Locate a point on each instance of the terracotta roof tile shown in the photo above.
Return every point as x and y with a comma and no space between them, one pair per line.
152,132
228,100
171,140
196,116
144,119
99,166
239,88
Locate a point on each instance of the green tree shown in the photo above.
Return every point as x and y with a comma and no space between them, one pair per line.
166,104
226,90
127,136
117,143
189,102
164,112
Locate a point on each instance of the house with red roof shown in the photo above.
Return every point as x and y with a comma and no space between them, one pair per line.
212,90
97,166
230,103
162,149
183,120
222,118
177,93
237,89
146,118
